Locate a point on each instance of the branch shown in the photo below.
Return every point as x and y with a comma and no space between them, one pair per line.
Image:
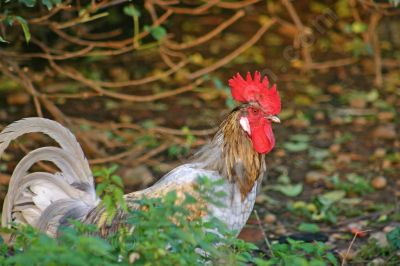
75,75
297,21
235,53
208,36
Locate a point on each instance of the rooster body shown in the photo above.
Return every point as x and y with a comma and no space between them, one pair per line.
235,155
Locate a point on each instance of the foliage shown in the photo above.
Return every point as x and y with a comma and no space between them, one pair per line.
159,233
176,239
353,183
162,235
297,143
286,187
299,253
373,250
393,238
110,190
322,208
309,228
71,248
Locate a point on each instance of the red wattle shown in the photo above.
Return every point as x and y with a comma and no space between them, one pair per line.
262,137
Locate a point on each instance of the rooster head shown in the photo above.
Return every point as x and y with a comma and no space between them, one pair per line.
260,108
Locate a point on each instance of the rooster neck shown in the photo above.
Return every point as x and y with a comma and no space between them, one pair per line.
231,153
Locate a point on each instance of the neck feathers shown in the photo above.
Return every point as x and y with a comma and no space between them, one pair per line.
231,153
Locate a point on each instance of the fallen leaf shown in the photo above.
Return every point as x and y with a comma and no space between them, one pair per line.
289,190
385,132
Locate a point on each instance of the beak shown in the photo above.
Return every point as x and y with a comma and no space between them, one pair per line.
273,118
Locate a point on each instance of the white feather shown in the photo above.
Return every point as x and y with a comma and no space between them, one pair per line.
34,198
46,193
244,123
31,215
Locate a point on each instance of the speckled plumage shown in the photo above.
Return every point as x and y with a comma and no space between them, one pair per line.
229,157
46,200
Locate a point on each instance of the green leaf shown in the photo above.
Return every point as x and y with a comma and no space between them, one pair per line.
289,190
131,11
25,28
48,4
28,3
295,147
393,238
100,188
309,228
332,259
372,96
112,168
148,123
331,197
359,27
3,40
317,262
158,32
117,180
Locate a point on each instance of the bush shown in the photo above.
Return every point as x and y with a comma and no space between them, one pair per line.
159,233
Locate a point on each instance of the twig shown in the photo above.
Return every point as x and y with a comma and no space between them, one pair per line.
235,53
374,38
297,21
51,13
264,235
116,157
357,17
333,63
208,36
151,153
369,216
66,55
192,11
237,5
24,81
143,80
75,75
157,129
351,244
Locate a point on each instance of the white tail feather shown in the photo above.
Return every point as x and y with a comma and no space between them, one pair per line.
60,134
44,199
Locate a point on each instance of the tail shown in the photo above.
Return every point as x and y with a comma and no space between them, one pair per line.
46,200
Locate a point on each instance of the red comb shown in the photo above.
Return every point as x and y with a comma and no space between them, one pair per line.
255,90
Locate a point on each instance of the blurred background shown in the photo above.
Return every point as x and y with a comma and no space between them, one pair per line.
143,84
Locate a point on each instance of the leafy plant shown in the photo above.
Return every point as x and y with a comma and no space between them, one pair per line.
300,253
309,228
175,151
385,253
393,238
7,18
110,190
297,143
285,186
354,183
159,233
322,208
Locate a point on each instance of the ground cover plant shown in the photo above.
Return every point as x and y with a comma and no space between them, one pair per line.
159,233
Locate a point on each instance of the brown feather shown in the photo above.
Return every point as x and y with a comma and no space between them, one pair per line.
244,165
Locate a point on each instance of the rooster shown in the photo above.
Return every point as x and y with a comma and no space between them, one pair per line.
236,155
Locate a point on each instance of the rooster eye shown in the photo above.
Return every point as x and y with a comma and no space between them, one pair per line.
255,111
